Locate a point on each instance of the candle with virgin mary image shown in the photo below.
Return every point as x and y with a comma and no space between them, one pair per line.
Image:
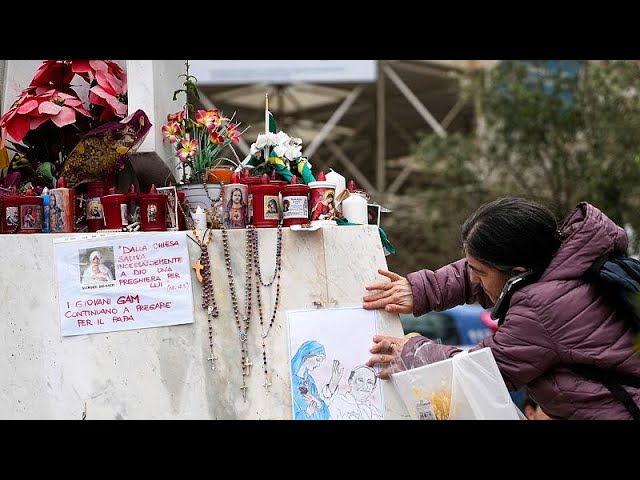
323,207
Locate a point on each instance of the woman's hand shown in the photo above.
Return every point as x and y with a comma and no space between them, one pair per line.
387,351
394,296
313,403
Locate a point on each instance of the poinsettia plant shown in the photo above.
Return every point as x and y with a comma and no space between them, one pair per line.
49,118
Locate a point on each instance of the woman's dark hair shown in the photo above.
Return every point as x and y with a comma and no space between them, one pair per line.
511,232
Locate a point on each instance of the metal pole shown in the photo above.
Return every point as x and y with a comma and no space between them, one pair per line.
333,121
381,178
413,100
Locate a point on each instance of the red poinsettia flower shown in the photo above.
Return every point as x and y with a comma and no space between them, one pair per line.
110,93
14,121
60,108
53,74
51,96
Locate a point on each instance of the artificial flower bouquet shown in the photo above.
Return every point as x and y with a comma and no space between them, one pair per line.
50,124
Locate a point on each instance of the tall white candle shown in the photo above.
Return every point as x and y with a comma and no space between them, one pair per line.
266,124
199,218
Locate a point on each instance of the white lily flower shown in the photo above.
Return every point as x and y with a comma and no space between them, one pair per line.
254,149
281,138
293,152
280,150
265,139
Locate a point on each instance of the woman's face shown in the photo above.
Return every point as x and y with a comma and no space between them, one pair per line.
315,361
490,279
236,196
96,259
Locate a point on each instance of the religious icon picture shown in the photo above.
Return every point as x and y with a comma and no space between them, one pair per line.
31,217
328,352
235,204
323,204
152,213
271,208
373,214
172,206
96,266
94,209
12,216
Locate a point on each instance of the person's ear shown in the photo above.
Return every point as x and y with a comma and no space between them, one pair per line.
529,412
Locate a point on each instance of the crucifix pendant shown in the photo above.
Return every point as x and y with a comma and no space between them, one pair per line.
266,385
244,392
247,364
212,359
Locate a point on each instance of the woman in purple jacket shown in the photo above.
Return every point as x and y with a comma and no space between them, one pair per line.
553,320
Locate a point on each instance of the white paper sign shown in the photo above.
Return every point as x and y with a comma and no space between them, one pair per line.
328,352
232,72
123,282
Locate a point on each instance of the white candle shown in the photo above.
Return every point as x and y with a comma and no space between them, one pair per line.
199,218
266,124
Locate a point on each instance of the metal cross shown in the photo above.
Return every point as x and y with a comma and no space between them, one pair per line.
244,392
247,363
266,385
212,359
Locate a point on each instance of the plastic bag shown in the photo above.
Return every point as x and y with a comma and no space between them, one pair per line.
469,383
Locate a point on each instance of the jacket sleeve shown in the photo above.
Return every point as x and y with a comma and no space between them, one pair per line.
445,288
522,347
419,351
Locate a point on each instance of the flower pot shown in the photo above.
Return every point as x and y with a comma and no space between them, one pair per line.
220,175
195,194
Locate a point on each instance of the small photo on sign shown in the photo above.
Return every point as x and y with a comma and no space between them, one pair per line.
373,212
96,267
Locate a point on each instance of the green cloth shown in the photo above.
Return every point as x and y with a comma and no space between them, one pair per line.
273,126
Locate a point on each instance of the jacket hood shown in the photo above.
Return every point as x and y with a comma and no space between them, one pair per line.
587,234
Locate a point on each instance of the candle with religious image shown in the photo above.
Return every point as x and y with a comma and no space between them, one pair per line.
295,203
199,218
115,209
322,200
62,208
10,211
266,203
248,180
235,203
153,211
30,212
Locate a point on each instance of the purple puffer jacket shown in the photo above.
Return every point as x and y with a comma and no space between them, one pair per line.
556,321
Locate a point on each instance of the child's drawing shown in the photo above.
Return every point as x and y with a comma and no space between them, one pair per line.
329,377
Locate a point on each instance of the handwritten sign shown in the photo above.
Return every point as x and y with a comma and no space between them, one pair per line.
123,282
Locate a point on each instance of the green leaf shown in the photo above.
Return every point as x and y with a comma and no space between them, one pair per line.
46,169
